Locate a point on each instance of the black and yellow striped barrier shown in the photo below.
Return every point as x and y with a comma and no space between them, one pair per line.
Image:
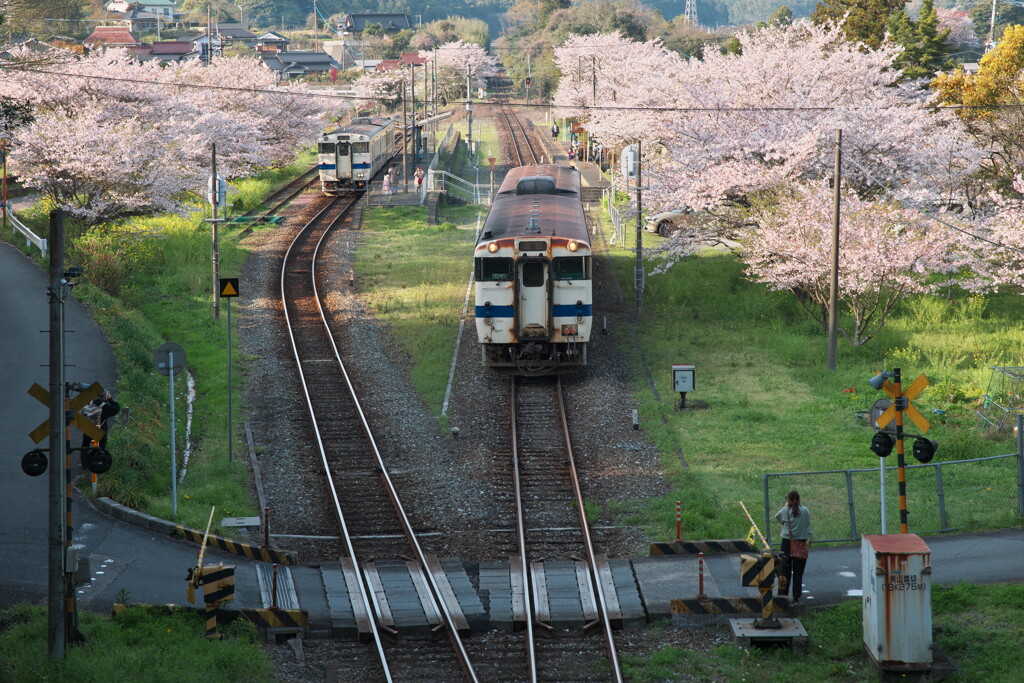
297,619
757,571
285,557
721,605
729,545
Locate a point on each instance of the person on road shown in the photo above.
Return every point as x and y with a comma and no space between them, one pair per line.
92,412
796,538
108,409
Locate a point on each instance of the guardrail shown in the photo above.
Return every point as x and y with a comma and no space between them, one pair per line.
30,237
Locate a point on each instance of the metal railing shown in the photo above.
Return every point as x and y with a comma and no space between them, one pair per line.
443,181
30,237
957,495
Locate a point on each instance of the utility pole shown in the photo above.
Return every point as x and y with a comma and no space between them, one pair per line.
316,26
593,78
833,291
638,268
405,140
57,620
469,108
3,198
209,37
215,187
433,77
529,76
412,96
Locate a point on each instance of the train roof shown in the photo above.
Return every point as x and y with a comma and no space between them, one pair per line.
361,126
543,215
566,180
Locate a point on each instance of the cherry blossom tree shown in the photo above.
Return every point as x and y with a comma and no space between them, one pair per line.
380,90
886,253
112,137
961,28
454,61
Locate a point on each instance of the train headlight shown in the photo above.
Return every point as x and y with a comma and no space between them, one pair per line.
359,175
492,247
569,330
573,246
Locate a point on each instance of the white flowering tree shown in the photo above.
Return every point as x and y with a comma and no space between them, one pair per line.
113,137
886,253
456,60
380,91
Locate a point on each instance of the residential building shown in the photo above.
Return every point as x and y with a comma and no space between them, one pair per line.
353,24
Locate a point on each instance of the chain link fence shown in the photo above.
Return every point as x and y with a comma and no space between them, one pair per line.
959,495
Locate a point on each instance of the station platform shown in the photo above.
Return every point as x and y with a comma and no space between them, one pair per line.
557,151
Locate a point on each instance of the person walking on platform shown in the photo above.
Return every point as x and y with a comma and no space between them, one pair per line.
554,131
419,177
796,538
385,185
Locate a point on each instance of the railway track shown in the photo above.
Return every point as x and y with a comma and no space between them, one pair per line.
371,520
551,523
283,195
521,142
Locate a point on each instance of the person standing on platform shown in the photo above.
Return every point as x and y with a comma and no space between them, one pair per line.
554,131
419,177
385,185
796,538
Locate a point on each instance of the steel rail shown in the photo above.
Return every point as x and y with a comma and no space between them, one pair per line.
410,534
285,194
363,589
609,637
531,655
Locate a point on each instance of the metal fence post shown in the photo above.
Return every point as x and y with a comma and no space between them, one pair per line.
849,499
941,491
1020,464
767,511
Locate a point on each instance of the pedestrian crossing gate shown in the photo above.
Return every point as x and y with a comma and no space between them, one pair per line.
758,571
218,582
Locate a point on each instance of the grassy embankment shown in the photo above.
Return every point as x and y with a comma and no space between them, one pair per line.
147,281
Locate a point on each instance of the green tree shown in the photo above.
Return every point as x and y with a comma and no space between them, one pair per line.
925,49
1006,15
780,17
27,18
373,29
867,19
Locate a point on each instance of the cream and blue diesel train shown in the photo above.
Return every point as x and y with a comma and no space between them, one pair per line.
348,157
533,269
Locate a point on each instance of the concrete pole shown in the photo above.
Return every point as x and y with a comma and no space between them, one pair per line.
638,269
57,623
833,292
216,245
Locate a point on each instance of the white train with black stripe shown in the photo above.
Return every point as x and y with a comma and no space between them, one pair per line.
348,157
533,269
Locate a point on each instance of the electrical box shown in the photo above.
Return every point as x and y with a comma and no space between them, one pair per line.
897,604
217,191
628,160
683,378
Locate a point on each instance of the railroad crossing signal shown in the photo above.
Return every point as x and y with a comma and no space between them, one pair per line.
916,387
228,287
76,404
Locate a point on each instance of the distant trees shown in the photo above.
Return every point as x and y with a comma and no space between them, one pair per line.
926,48
112,137
865,20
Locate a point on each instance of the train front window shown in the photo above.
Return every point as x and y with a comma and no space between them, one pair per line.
360,147
533,274
494,269
342,149
571,268
325,148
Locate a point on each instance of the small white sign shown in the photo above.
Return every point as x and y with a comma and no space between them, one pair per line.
683,381
240,521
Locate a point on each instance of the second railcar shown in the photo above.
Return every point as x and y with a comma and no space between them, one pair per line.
533,270
348,157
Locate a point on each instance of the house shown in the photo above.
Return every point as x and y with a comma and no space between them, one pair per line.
353,24
231,33
166,51
272,42
298,63
407,58
162,8
111,36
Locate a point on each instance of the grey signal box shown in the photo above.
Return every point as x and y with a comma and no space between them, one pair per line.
683,378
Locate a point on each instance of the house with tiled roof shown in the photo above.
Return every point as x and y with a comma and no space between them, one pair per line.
166,51
272,42
298,63
405,60
234,32
111,36
354,24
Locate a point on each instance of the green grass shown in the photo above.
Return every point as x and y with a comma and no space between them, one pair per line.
775,407
415,278
979,628
137,645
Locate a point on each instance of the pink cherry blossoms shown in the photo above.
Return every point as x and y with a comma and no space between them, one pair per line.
113,137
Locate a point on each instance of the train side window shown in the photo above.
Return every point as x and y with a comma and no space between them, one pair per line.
342,149
533,274
325,148
360,147
571,268
494,269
